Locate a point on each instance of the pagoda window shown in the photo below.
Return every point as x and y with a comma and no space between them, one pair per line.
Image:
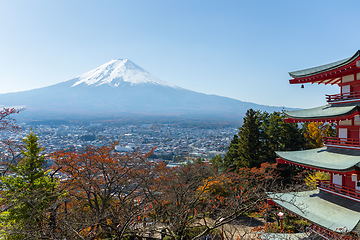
345,89
342,133
337,179
357,120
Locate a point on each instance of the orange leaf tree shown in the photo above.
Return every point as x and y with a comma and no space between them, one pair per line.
195,200
105,197
6,121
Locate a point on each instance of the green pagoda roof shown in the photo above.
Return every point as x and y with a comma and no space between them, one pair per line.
324,68
324,112
321,208
332,159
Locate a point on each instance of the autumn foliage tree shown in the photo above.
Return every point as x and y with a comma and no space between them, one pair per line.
312,177
314,133
97,193
92,194
105,197
7,122
101,194
194,200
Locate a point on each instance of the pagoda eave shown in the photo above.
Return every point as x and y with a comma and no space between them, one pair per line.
319,169
326,78
323,119
334,160
328,73
327,113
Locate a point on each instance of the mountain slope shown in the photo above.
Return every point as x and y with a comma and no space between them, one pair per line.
121,87
117,72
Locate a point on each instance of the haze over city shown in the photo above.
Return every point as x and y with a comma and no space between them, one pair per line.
238,49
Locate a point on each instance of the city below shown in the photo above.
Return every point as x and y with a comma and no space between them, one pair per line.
172,143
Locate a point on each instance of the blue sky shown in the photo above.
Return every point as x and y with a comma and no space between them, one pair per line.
239,49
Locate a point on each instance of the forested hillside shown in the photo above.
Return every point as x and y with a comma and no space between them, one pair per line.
100,194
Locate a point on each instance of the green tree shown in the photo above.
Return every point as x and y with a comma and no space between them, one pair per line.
259,137
250,145
280,136
246,147
27,194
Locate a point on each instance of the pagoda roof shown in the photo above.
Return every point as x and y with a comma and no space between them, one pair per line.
321,208
330,112
328,159
329,73
324,68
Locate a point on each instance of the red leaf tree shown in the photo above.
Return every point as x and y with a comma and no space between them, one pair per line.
104,193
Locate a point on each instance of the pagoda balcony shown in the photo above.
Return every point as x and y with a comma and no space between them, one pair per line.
341,97
342,142
339,190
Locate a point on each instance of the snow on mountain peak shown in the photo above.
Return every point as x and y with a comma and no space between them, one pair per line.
118,71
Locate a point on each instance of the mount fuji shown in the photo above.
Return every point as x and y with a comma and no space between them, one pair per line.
120,88
118,72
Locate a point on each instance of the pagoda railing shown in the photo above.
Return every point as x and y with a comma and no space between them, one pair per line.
344,142
342,96
339,189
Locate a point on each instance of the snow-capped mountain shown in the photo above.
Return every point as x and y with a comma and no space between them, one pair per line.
116,72
119,88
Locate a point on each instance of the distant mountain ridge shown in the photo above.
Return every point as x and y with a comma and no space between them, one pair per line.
121,88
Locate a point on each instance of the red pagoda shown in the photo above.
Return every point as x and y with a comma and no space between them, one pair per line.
335,205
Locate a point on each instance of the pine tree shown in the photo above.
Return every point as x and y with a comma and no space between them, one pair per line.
259,137
250,146
245,148
26,194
